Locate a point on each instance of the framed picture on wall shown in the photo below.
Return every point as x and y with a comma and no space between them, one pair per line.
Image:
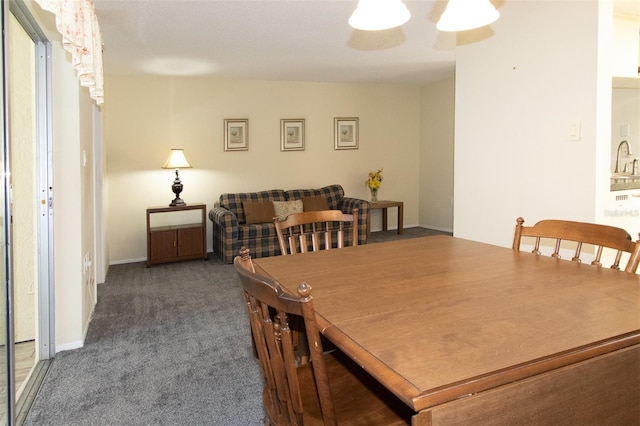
292,135
345,132
236,134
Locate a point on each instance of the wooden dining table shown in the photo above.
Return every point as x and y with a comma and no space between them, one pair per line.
470,333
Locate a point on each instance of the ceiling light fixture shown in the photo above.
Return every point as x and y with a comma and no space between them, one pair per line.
462,15
375,15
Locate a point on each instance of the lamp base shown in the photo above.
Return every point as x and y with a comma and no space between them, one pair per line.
177,189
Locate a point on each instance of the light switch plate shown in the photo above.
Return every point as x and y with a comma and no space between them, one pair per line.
574,130
624,130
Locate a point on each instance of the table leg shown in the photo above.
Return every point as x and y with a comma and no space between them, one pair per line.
400,218
384,218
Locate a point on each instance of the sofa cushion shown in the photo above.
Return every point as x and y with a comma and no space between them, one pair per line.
332,193
314,204
285,208
233,201
258,211
257,231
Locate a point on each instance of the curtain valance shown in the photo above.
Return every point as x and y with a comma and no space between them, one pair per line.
77,23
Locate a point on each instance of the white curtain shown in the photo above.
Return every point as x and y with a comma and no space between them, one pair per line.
77,23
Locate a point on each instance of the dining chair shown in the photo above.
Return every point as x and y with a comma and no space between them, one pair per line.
313,231
599,236
316,230
329,390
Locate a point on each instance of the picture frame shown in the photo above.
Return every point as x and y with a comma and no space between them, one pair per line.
292,134
236,134
345,133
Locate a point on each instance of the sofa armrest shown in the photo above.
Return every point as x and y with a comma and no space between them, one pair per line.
347,204
224,232
223,217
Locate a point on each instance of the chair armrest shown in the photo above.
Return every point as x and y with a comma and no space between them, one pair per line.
347,204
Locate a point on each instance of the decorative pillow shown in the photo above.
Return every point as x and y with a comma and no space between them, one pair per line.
314,204
285,208
258,212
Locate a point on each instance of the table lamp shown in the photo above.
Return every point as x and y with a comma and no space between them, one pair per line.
176,161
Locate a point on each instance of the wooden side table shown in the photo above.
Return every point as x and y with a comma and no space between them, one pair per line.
384,205
176,242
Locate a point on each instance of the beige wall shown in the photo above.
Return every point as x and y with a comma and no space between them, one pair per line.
517,93
626,46
436,155
147,116
86,207
22,152
67,213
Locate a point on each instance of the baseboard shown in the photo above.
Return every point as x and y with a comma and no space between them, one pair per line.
69,346
142,259
437,228
434,228
394,227
121,262
86,326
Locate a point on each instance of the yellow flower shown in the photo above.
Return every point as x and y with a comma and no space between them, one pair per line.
374,180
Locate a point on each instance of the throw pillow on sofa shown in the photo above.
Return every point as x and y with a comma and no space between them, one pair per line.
285,208
258,212
314,204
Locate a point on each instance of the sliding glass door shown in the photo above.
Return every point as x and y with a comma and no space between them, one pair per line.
26,293
6,341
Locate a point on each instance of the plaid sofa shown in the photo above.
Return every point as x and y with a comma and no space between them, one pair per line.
230,231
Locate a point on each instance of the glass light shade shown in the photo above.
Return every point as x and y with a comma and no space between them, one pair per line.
176,160
375,15
462,15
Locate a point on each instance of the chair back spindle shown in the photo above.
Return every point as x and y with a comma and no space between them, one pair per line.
580,233
317,230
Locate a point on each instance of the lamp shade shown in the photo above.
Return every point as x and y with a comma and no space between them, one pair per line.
176,160
374,15
462,15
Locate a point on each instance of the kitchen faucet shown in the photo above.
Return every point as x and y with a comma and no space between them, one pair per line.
627,154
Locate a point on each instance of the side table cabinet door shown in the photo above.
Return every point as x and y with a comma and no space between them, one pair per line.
190,241
163,245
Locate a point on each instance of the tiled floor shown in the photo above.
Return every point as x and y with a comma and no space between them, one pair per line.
25,360
25,354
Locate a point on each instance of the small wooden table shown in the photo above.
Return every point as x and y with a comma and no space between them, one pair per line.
470,333
185,241
384,205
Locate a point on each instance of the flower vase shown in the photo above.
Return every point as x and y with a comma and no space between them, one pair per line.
374,194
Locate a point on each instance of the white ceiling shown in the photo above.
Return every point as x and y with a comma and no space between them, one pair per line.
303,40
292,40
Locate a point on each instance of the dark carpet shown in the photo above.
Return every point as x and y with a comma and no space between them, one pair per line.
168,345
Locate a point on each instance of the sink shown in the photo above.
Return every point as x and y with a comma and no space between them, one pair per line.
622,181
624,176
